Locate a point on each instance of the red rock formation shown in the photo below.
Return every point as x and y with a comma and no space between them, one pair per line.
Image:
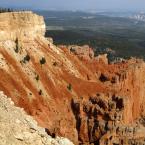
84,52
72,93
102,58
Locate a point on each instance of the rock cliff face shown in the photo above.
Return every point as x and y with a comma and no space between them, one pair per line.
69,91
18,25
84,52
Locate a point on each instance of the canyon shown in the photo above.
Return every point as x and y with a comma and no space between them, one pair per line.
66,89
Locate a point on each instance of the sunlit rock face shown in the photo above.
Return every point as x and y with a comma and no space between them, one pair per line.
84,52
15,25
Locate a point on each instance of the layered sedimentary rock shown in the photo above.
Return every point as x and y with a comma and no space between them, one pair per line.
69,91
84,52
100,120
18,25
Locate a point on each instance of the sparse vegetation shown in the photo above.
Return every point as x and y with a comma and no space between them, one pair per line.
42,61
40,92
37,77
69,87
17,46
30,94
4,10
103,78
55,63
26,59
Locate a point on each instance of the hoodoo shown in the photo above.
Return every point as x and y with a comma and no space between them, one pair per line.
68,90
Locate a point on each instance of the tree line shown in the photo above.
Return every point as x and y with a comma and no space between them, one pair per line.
4,10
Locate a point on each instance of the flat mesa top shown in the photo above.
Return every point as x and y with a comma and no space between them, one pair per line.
14,23
17,19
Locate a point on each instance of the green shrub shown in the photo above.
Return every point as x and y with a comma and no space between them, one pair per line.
4,10
69,87
37,77
43,60
26,59
17,46
40,92
55,64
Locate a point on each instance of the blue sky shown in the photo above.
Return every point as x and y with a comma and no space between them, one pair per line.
77,4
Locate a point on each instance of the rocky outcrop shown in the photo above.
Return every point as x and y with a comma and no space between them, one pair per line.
17,128
102,58
84,52
18,25
99,120
69,91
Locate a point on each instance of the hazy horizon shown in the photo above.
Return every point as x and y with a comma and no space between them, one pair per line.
82,5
